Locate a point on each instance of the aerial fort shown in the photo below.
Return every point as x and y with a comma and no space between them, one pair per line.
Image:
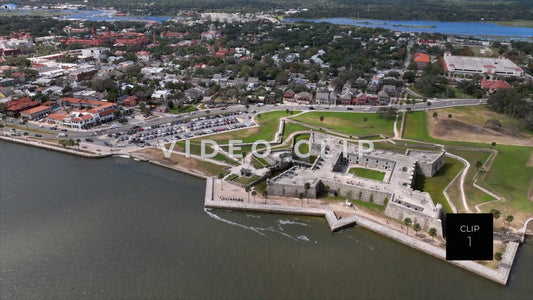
333,172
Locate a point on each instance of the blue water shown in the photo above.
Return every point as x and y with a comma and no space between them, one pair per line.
476,29
95,15
99,15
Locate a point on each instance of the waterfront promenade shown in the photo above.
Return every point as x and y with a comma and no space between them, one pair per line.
223,195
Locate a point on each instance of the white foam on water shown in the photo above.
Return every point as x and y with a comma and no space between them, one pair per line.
216,217
303,238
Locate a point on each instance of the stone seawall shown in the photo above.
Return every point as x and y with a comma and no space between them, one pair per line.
500,275
58,148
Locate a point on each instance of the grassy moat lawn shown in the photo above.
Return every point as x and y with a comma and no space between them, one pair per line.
359,124
367,173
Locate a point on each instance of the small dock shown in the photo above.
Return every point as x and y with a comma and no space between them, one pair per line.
239,200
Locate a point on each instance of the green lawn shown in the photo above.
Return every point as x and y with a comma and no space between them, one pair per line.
508,177
196,148
291,128
511,178
360,204
349,122
435,185
473,195
246,180
368,173
304,148
183,110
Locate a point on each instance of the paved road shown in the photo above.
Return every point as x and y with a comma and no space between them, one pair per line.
253,109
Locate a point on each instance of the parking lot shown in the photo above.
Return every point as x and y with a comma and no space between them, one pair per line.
179,130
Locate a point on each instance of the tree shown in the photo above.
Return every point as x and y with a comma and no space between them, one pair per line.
433,233
450,116
307,186
509,219
321,118
428,104
492,145
265,195
365,119
254,193
247,189
417,227
220,176
479,163
435,114
301,196
495,213
407,222
498,256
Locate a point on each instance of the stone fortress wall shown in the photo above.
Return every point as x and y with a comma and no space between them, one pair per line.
331,175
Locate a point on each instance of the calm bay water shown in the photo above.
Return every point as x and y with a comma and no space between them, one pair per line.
73,228
476,29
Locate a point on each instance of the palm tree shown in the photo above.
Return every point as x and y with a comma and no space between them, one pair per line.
407,222
254,193
433,233
220,176
265,195
509,219
417,228
301,196
307,186
247,189
495,213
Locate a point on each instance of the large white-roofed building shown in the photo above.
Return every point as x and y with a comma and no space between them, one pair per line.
480,65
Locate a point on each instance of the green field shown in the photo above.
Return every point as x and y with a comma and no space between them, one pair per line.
186,109
196,148
304,148
508,177
246,180
435,185
360,204
368,173
349,123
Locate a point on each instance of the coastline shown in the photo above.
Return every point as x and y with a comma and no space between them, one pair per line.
335,219
340,219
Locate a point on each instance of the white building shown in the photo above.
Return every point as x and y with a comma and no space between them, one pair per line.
480,65
94,52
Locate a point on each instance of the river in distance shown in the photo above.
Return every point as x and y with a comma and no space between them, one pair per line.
75,228
474,29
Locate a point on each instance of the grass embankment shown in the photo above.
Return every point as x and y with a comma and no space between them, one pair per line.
361,204
435,185
509,175
180,161
349,123
245,181
196,148
473,195
511,178
367,173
